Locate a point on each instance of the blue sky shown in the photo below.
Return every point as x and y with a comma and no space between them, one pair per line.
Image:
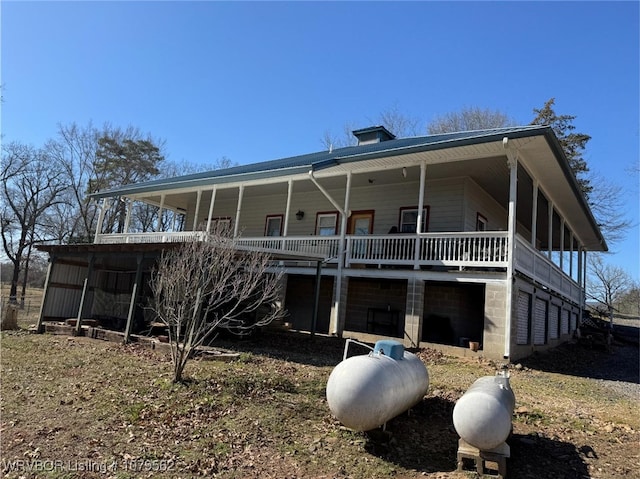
254,81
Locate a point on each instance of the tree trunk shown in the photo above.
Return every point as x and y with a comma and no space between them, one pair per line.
26,274
179,364
13,292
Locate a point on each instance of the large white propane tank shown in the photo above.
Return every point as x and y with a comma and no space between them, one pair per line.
482,416
365,391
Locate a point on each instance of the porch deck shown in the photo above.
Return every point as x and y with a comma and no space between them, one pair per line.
452,250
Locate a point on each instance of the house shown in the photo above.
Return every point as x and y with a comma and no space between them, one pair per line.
460,241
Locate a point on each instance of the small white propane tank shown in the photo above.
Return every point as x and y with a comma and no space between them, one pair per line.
365,391
482,416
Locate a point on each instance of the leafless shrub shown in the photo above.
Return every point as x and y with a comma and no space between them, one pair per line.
201,286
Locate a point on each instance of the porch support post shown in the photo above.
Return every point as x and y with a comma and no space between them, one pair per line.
159,226
562,245
85,289
134,299
287,211
584,277
571,254
512,161
213,200
344,218
579,253
197,212
127,219
416,251
534,215
550,246
45,297
236,227
335,326
316,298
103,211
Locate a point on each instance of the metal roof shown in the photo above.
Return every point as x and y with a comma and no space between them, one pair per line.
323,159
343,158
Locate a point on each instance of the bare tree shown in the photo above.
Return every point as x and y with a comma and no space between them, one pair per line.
32,183
75,149
205,285
608,202
399,123
98,159
392,118
331,141
607,284
630,302
469,119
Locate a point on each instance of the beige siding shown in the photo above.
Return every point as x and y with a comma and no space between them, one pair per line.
445,199
478,201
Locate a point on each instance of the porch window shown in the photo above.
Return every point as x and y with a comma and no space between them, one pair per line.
326,224
273,225
481,223
409,219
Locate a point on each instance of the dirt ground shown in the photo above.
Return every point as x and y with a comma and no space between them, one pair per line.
265,415
581,431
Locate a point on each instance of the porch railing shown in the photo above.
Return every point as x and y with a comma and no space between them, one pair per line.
166,237
535,265
326,246
482,249
466,249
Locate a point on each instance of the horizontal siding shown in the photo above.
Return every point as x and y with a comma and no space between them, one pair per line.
444,197
446,201
479,201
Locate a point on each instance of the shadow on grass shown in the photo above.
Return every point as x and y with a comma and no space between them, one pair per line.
425,440
290,346
622,363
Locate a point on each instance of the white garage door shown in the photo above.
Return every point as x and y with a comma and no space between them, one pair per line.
540,322
553,321
524,318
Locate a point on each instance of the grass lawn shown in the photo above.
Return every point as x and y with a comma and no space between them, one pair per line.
76,407
29,312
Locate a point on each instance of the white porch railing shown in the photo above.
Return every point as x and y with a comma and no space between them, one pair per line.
166,237
326,246
466,249
537,266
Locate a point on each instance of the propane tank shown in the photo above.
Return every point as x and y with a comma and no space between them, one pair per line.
482,416
365,391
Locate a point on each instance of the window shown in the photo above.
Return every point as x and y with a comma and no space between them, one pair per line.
326,224
481,223
409,219
273,225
